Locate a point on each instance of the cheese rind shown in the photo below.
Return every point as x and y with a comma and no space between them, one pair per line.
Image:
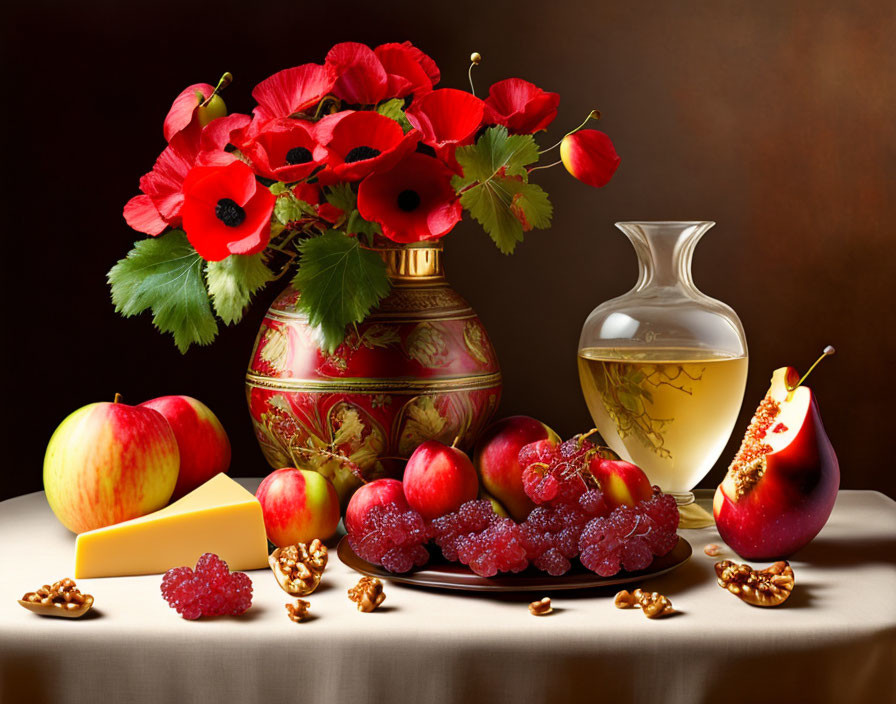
220,517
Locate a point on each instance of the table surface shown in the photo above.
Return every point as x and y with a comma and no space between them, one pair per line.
834,640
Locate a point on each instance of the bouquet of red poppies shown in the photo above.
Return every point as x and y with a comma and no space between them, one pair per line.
335,159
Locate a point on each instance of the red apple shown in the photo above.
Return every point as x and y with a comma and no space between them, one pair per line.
438,479
107,463
497,460
780,488
298,505
623,483
377,493
203,444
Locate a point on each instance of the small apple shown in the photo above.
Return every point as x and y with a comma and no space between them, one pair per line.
780,489
109,462
622,483
438,479
298,505
203,444
376,493
497,460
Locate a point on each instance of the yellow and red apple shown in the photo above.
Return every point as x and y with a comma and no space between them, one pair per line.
109,462
780,489
438,479
201,440
496,459
623,483
298,506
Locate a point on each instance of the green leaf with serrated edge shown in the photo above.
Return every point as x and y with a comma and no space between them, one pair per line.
533,202
358,225
342,196
394,110
495,150
490,205
233,281
278,188
340,283
165,274
288,208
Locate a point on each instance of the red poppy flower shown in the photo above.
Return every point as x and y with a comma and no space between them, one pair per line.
226,211
447,118
363,142
310,193
522,107
217,134
283,150
359,77
426,63
404,66
183,108
412,202
294,90
160,204
589,155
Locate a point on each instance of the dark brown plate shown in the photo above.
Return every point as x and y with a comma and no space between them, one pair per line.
441,574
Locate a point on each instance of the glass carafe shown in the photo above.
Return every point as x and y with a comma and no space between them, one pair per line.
663,367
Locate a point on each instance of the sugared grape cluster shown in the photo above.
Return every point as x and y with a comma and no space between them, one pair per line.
476,536
209,590
392,537
573,518
630,537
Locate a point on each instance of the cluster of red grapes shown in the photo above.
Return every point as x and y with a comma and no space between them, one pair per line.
392,536
209,590
572,519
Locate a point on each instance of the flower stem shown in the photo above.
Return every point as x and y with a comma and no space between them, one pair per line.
475,60
593,115
225,81
545,166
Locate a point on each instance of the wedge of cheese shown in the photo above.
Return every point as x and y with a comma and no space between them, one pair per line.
220,517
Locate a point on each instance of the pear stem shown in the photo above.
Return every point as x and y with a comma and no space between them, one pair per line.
826,353
222,84
117,398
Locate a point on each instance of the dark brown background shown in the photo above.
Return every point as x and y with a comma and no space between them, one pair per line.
776,119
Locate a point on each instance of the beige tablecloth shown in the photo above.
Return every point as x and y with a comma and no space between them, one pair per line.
834,641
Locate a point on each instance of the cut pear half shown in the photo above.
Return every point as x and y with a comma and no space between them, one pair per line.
774,426
794,407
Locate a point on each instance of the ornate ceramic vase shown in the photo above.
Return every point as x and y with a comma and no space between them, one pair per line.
420,367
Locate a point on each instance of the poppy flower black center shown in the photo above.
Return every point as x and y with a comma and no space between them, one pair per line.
408,200
298,155
361,153
228,212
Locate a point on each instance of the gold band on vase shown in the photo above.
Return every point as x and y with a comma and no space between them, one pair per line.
396,385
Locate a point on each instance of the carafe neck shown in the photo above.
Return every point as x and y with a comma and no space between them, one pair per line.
665,250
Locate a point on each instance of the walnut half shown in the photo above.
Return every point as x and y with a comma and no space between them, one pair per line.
299,611
62,598
298,568
367,594
542,607
769,587
653,604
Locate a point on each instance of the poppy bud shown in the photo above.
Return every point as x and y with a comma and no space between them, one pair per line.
589,156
